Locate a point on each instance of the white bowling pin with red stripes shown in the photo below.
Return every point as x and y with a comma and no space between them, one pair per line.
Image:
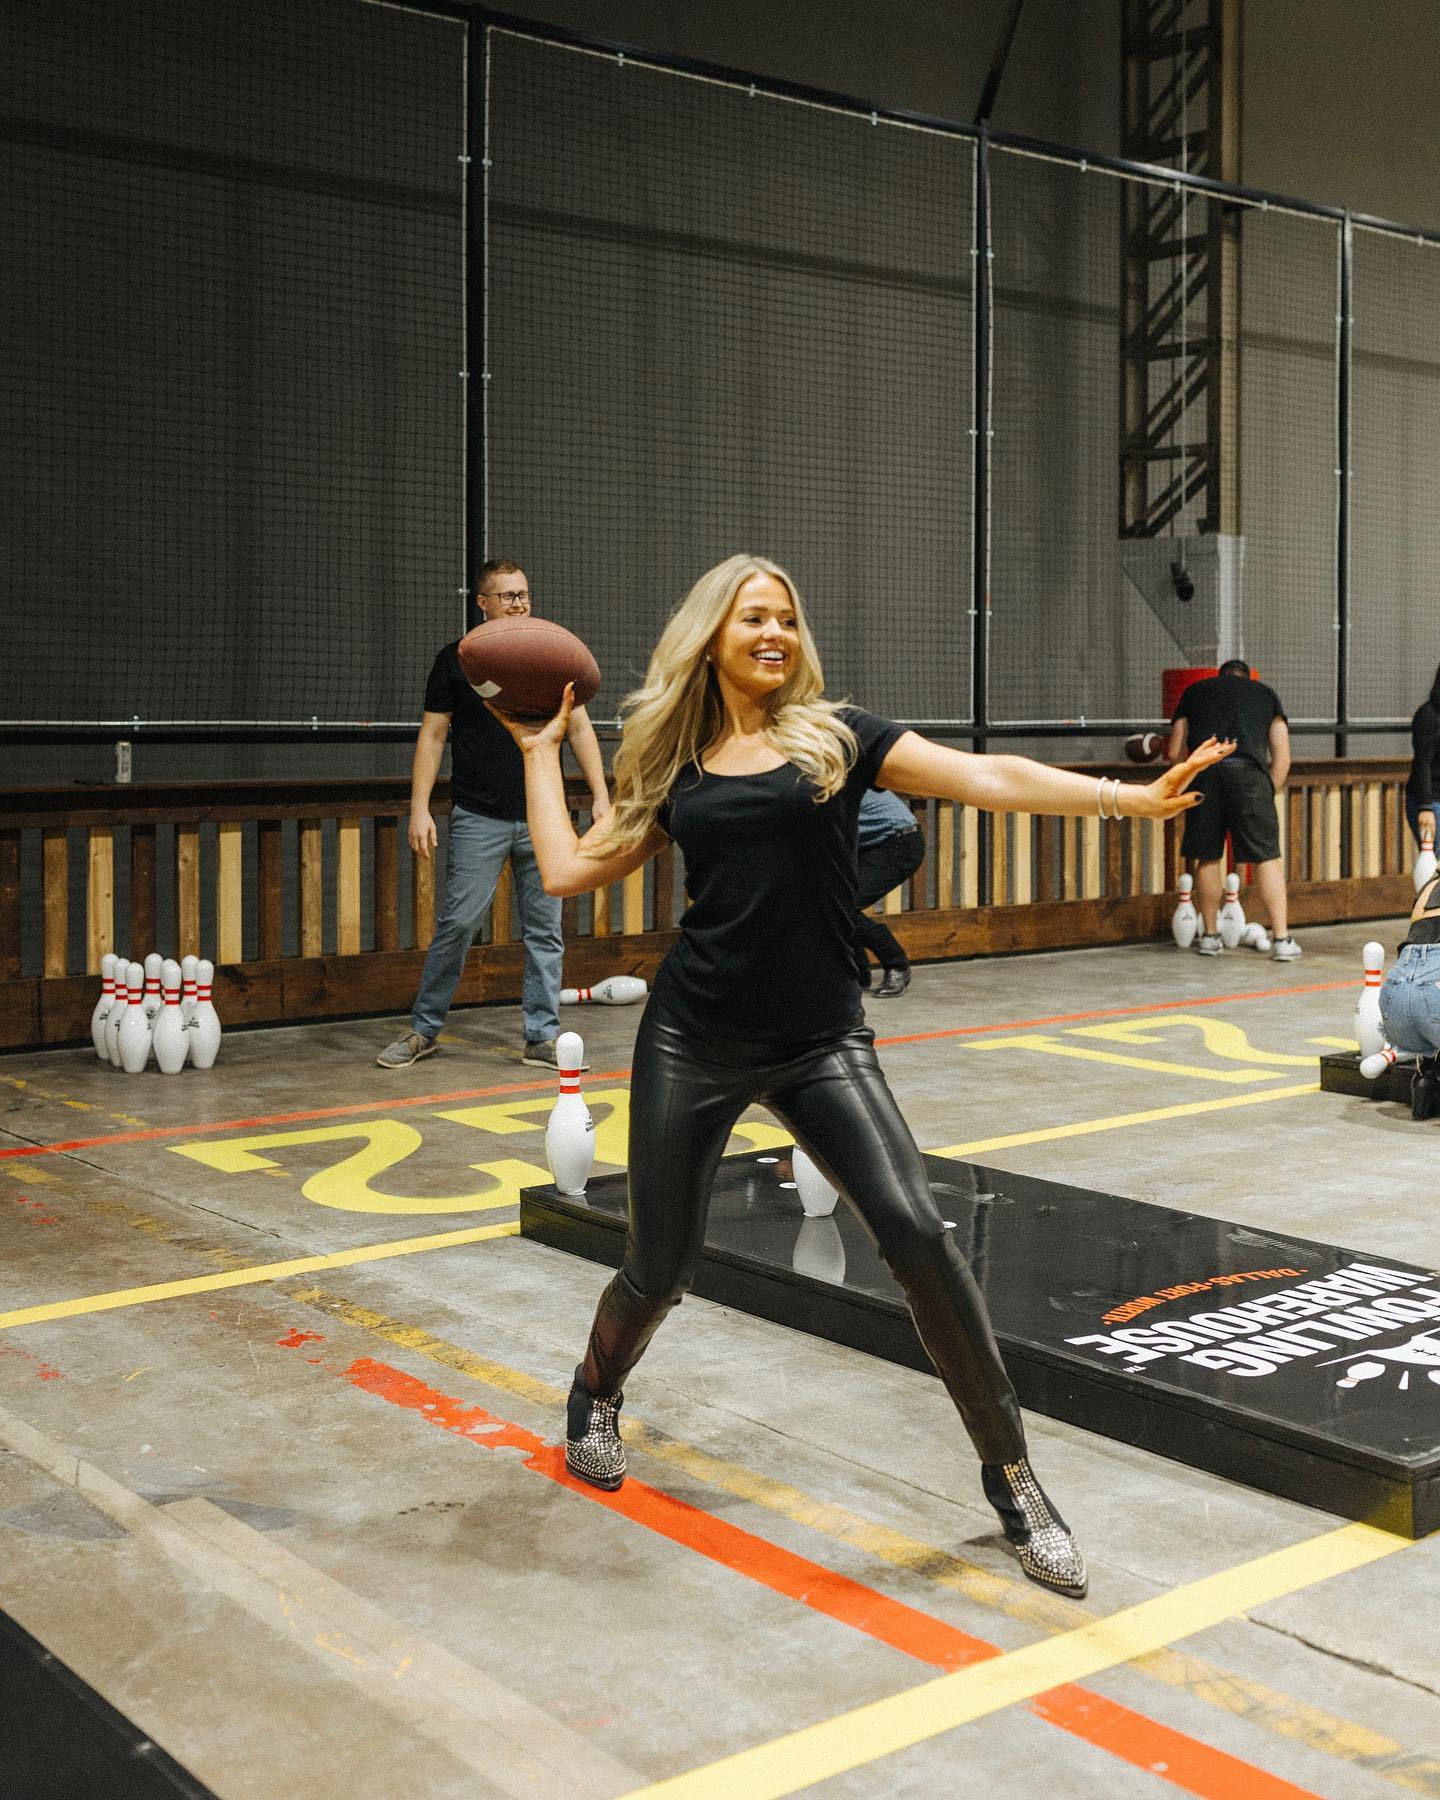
614,990
132,1040
1369,1031
170,1038
103,1005
204,1028
570,1134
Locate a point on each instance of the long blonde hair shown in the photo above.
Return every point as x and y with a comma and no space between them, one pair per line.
677,711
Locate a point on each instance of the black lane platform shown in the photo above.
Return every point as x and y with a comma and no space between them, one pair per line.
1340,1074
1294,1367
59,1740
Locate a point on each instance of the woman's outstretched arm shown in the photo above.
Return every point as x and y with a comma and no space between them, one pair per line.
913,765
565,866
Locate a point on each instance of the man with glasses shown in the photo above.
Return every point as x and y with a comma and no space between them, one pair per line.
487,830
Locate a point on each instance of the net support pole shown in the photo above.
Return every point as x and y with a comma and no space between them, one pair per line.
476,374
980,465
1344,325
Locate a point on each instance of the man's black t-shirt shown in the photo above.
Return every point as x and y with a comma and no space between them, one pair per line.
1424,782
487,771
765,951
1231,706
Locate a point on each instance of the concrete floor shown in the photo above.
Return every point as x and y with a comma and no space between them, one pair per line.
305,1529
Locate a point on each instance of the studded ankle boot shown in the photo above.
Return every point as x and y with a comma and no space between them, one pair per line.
1048,1553
593,1449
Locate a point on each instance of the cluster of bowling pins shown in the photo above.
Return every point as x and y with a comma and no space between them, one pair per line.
570,1138
160,1008
614,990
1185,925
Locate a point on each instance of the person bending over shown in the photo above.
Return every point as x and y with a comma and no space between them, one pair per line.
891,848
1241,794
731,749
1410,999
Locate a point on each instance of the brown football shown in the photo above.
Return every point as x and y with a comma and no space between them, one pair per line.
522,665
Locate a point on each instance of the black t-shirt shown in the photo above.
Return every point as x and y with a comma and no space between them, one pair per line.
765,951
1424,780
487,771
1426,929
1231,706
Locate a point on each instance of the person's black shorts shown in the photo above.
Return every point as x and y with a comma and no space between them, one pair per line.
1238,799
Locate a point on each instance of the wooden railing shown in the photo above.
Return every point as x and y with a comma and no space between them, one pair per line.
311,905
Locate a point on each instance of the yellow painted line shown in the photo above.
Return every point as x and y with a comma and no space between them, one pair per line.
1121,1121
1045,1045
231,1278
856,1739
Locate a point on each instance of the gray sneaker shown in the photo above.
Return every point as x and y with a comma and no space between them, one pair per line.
1210,944
542,1054
406,1050
1285,950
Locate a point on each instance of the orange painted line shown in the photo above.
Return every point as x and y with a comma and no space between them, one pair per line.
1158,1749
523,1087
1196,1767
292,1118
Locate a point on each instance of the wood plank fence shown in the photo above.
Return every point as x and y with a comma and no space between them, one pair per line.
309,902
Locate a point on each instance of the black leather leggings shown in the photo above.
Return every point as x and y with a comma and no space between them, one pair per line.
685,1094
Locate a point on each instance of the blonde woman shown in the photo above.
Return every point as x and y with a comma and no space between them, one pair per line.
731,750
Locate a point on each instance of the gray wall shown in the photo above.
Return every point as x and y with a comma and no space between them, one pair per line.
1339,104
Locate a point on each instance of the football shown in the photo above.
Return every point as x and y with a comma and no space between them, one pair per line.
522,666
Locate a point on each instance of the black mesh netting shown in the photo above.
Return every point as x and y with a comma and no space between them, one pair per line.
720,321
232,459
1395,451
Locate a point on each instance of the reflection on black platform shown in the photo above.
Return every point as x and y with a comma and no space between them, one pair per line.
1293,1366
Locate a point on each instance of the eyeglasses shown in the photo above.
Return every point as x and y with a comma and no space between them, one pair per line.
521,597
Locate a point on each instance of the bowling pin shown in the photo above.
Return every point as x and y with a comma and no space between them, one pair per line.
1256,937
152,1001
1231,922
204,1028
188,966
1425,863
819,1251
133,1038
570,1134
817,1197
614,990
103,1005
1369,1032
117,1013
170,1038
1372,1067
1186,921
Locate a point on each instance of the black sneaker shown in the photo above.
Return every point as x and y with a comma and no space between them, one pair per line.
593,1450
893,983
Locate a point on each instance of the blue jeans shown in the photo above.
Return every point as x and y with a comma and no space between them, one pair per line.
479,849
1410,1000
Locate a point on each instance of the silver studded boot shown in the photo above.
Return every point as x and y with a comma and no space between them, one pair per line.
1048,1553
593,1449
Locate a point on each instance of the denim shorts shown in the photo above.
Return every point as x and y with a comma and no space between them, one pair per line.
1410,1000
